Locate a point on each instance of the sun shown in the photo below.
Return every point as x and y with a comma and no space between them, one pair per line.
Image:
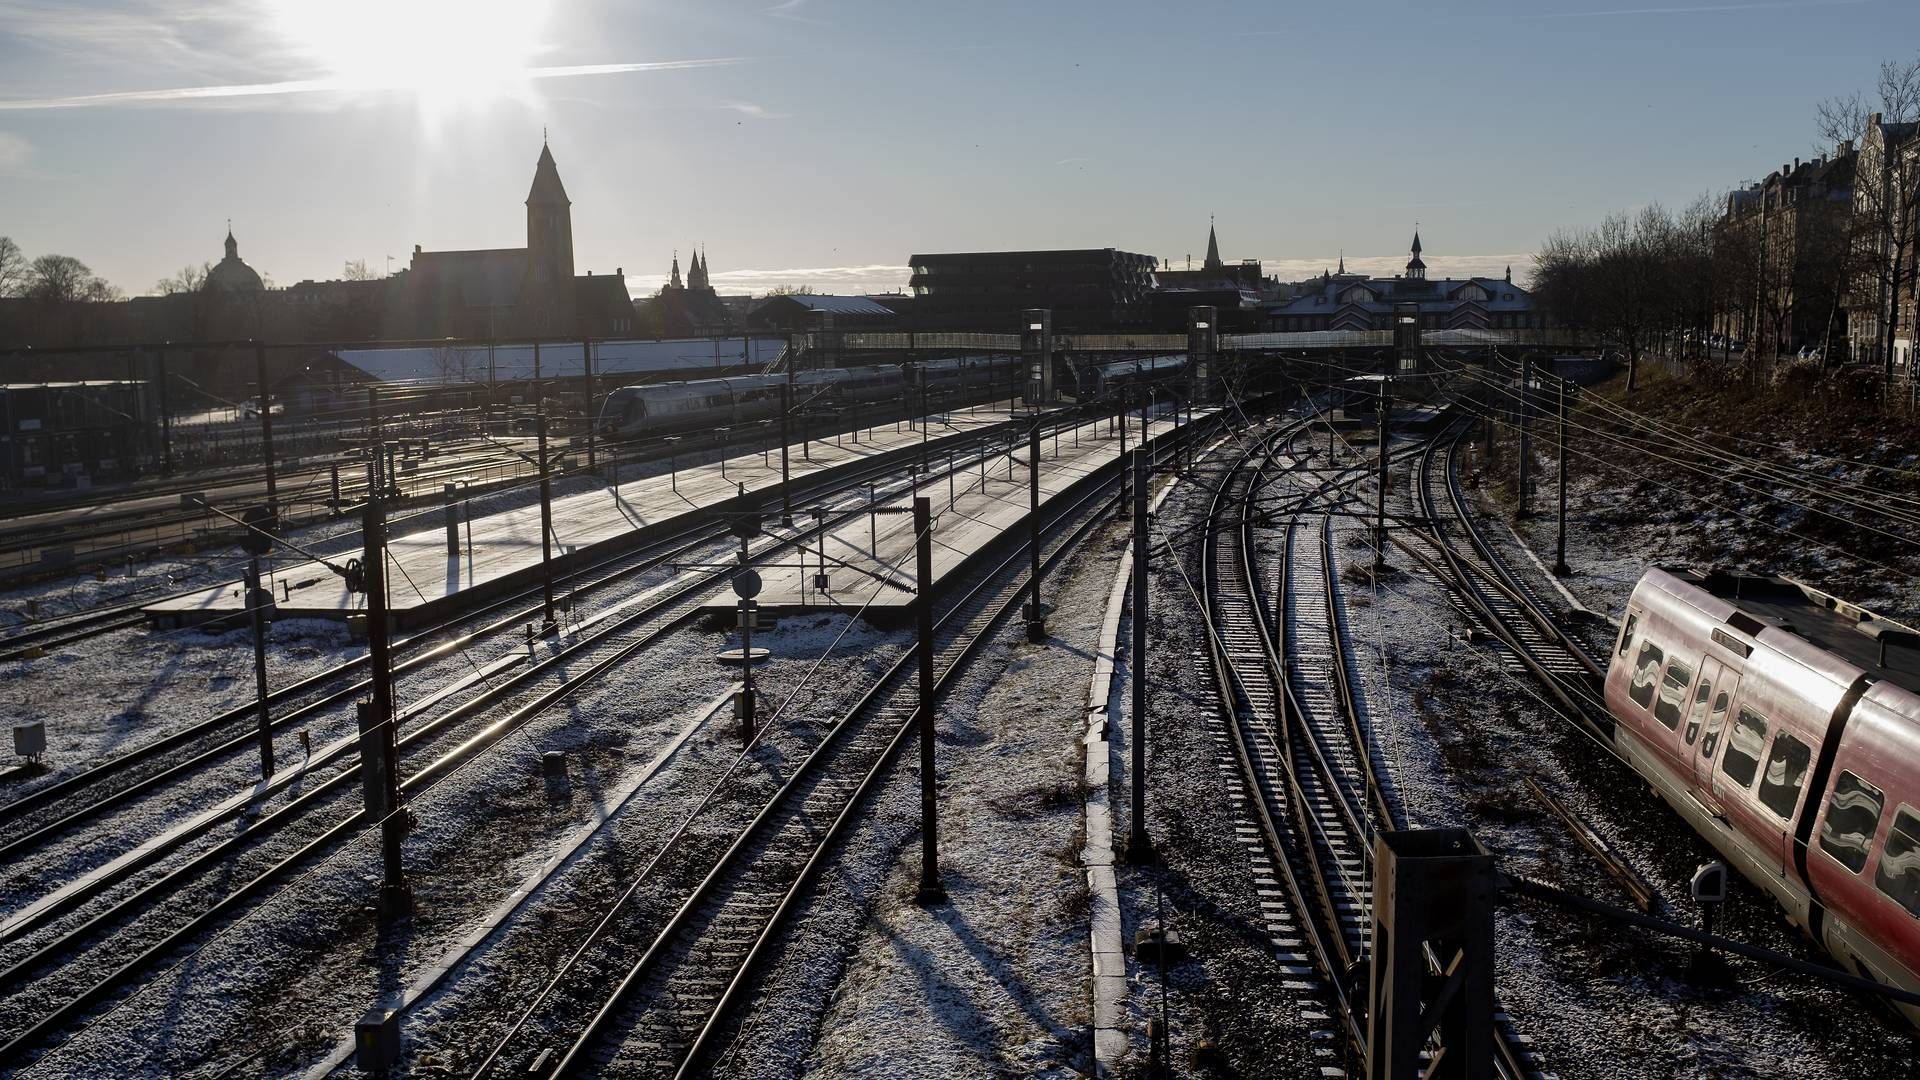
448,54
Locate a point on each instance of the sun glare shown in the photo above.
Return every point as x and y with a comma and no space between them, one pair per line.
448,53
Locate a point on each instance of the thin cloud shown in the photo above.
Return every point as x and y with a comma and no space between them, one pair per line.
757,112
15,154
1696,9
188,95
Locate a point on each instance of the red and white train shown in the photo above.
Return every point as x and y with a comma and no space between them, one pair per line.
1784,725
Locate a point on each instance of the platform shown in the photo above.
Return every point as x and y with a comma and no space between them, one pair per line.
870,560
500,553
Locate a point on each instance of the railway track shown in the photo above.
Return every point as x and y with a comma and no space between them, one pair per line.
1298,734
683,975
281,840
83,797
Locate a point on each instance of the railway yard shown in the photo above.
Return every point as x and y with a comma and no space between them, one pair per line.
978,738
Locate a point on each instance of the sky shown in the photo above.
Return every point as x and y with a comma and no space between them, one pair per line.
822,142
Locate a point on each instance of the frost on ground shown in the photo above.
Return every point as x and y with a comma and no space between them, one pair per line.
994,982
1597,999
104,695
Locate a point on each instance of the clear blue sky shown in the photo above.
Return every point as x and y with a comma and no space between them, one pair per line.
823,141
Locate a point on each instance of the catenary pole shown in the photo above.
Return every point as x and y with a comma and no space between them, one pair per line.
266,429
1560,566
931,891
1139,844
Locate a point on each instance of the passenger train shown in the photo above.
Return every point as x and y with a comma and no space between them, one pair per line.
706,404
1784,725
1102,380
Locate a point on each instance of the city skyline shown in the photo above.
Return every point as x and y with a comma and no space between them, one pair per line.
816,143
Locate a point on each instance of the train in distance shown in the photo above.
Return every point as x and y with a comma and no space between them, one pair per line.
705,404
1784,725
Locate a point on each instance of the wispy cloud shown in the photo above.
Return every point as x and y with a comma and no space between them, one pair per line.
191,95
1695,9
790,9
15,154
757,112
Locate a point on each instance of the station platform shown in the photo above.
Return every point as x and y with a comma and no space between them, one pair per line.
500,553
869,561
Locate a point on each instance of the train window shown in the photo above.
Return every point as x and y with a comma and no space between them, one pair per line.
1786,771
1673,692
1646,668
1742,759
1697,713
1717,719
1853,816
1626,632
1898,874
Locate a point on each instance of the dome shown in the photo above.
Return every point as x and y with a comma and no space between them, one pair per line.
232,275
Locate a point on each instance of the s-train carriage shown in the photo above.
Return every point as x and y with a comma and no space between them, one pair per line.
1784,726
1111,378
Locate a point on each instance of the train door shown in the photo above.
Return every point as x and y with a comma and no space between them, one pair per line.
1713,727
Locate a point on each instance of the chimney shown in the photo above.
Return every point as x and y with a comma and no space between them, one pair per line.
1796,164
1846,147
1873,120
620,271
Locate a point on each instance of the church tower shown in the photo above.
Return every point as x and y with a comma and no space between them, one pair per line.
549,225
1213,250
1416,268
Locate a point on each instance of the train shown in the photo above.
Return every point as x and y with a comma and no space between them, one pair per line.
1104,380
705,404
1784,725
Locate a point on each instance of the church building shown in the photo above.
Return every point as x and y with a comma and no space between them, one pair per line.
1344,301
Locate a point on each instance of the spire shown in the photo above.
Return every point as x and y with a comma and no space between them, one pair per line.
1416,240
1415,267
1343,261
547,189
674,281
1213,247
1509,273
233,246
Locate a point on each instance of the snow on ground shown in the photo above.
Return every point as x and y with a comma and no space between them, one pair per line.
1598,1001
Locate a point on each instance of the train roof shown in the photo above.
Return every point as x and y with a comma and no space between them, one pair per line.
1848,631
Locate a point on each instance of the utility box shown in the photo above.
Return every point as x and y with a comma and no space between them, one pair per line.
30,740
376,1040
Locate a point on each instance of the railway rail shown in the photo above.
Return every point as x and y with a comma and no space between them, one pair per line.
682,976
1297,732
547,681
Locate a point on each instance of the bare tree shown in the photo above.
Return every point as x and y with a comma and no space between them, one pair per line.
189,279
13,268
1886,195
65,278
356,270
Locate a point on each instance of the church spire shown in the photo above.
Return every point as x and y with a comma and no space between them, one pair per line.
673,282
1343,262
1416,268
1213,247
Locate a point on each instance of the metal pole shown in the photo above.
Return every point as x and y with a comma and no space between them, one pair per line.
1036,617
1139,845
166,417
546,515
586,360
395,895
1526,443
257,601
1380,496
786,475
1560,566
931,891
266,430
746,664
